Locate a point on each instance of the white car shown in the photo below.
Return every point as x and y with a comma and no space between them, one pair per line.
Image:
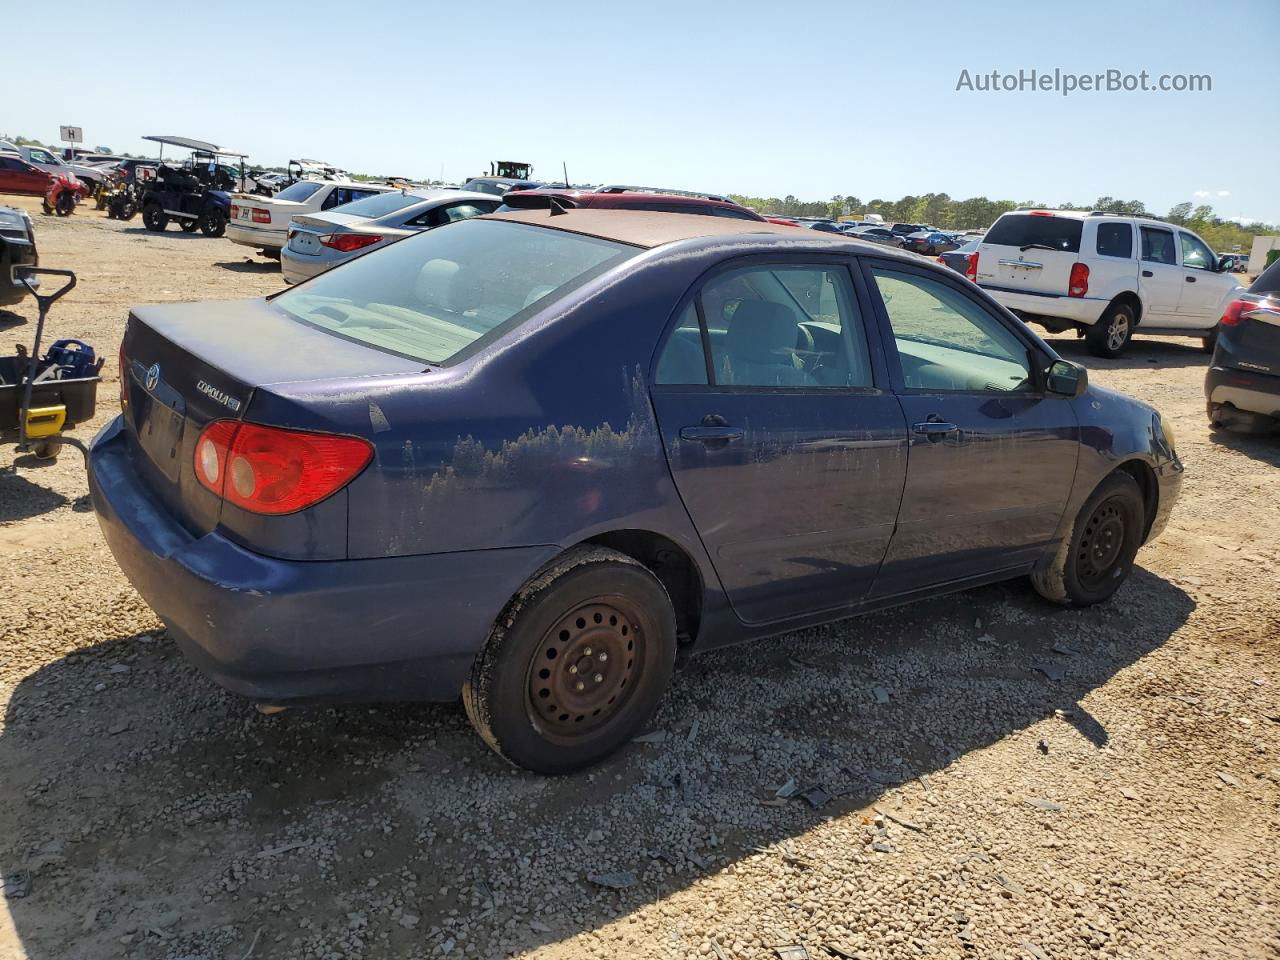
263,222
1105,275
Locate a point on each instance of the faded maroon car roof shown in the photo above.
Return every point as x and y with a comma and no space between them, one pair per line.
644,228
621,201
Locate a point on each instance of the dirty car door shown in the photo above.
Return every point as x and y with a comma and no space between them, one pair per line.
787,451
993,457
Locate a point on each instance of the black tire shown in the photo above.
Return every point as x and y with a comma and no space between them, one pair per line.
154,217
46,207
65,204
1110,336
592,610
1095,559
100,201
189,226
1209,341
127,210
46,449
213,223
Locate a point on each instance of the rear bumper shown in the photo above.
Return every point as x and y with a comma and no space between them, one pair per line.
1255,392
278,631
297,268
260,238
1074,309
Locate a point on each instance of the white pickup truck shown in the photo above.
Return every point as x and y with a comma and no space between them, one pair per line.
1106,276
263,222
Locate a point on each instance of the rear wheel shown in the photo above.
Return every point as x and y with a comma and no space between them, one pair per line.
1209,341
65,204
189,225
47,449
1111,335
213,223
154,217
576,665
1094,560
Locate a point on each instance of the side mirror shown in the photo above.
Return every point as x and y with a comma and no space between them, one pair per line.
1066,378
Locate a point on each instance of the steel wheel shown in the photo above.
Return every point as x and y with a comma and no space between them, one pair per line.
1118,331
579,678
1101,543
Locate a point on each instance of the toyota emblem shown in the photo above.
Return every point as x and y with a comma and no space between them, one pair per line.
153,376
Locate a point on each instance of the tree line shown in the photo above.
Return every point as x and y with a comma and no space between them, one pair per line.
940,210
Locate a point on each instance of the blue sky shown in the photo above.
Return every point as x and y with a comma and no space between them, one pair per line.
809,97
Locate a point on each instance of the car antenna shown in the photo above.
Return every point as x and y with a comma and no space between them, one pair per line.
558,206
565,167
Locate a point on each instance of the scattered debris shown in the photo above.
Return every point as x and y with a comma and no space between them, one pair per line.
1063,650
657,736
1051,670
1228,779
1191,701
1035,951
1045,804
16,885
693,729
787,790
738,759
1011,887
1043,747
619,880
817,796
900,821
284,848
1129,794
881,846
881,694
792,952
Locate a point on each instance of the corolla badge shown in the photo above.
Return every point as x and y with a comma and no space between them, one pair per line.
153,376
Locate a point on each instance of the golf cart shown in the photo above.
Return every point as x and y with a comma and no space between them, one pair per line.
195,193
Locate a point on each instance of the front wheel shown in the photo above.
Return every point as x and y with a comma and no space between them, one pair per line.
47,207
65,204
576,665
47,449
1111,335
213,223
1094,560
154,217
189,225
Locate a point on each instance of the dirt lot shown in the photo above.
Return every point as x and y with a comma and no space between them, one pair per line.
1128,808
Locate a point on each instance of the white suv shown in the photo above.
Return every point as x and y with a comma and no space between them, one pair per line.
1104,275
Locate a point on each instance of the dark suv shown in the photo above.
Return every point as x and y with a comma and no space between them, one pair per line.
17,249
630,198
1242,386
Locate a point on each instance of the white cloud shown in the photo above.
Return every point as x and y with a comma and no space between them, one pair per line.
1245,220
1201,193
1224,193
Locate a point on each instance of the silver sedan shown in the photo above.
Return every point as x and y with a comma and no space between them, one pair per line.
320,241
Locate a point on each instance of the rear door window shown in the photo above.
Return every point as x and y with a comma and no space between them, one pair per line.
1157,246
1032,230
1115,240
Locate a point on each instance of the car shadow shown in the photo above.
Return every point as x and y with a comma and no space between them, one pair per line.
249,266
1258,446
143,807
169,231
19,497
1141,352
9,319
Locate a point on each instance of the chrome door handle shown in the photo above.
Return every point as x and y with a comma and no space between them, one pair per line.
711,436
934,430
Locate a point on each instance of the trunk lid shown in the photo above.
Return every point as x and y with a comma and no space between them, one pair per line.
189,364
1030,252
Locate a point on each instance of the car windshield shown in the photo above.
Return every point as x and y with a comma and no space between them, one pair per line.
1268,281
435,294
379,205
299,191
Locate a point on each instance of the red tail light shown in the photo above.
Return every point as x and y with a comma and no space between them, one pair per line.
271,470
1231,316
235,211
939,259
346,242
1078,284
971,268
261,216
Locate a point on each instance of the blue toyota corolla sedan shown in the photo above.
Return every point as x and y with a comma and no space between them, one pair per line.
525,458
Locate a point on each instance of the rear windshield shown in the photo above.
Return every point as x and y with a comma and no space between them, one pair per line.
1025,229
1268,280
299,191
380,204
433,295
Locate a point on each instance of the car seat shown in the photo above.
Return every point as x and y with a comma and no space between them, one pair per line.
760,347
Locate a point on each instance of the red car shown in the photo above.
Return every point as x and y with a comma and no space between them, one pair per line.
18,176
630,198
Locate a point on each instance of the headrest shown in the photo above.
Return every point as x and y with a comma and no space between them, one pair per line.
763,332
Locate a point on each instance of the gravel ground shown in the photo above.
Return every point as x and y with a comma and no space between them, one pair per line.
998,778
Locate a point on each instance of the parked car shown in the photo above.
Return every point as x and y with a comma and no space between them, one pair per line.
1104,275
91,177
17,249
263,222
963,259
903,230
819,224
498,460
929,242
880,235
22,178
630,198
320,241
498,186
1242,386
